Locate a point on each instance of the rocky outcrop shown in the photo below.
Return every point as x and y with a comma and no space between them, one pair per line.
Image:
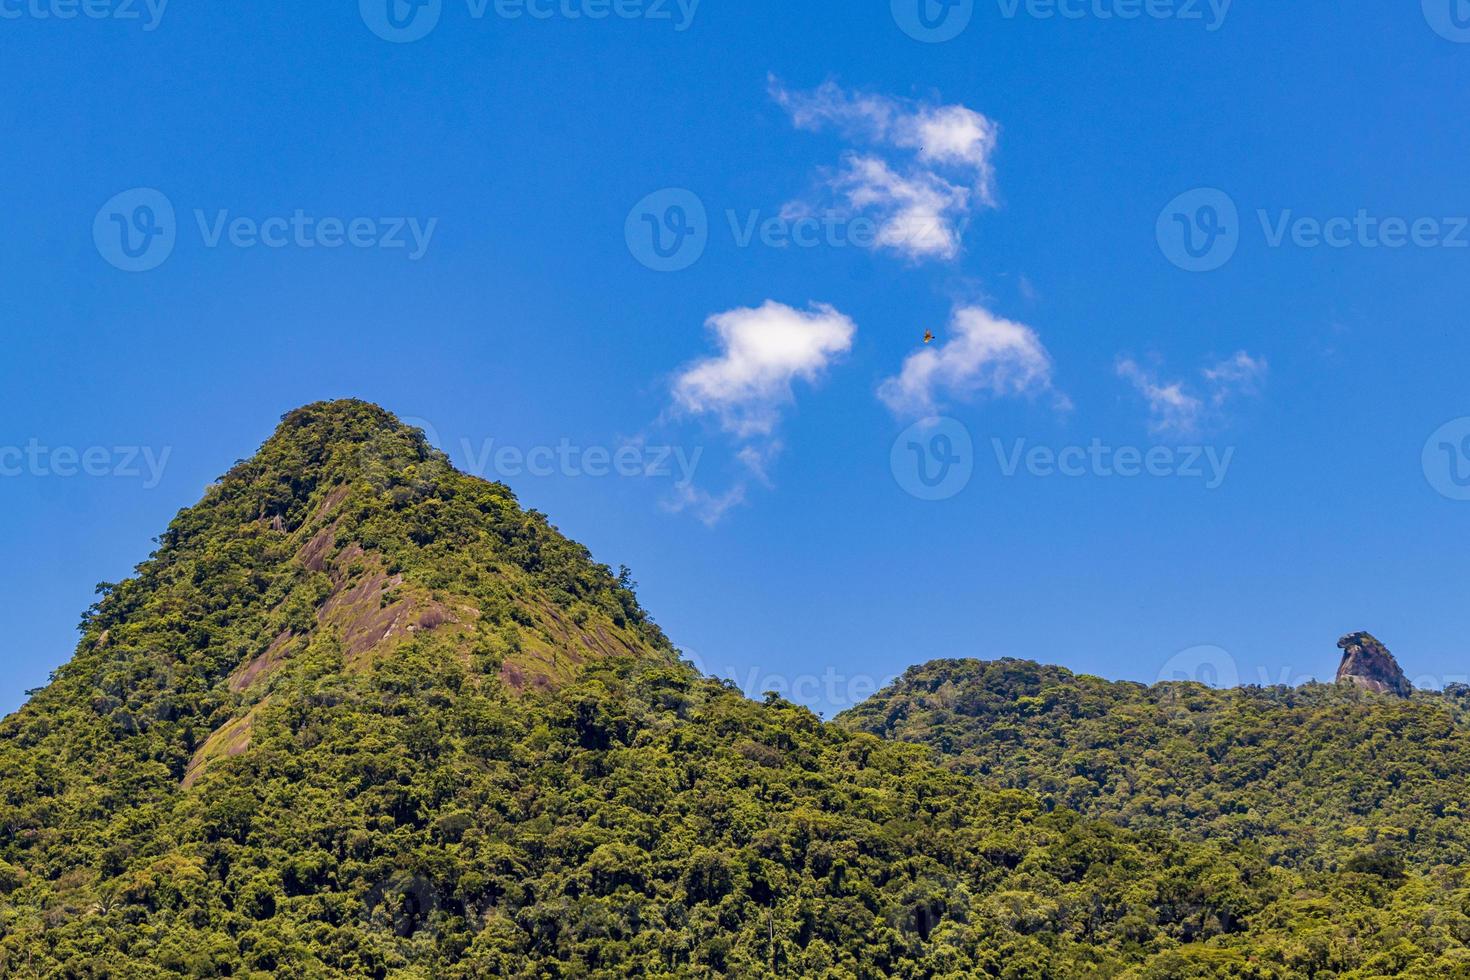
1367,664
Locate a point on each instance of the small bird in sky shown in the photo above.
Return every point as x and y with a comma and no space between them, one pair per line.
928,336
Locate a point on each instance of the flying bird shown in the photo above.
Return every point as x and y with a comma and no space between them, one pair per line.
928,336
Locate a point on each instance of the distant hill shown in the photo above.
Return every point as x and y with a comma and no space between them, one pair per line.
361,715
1321,776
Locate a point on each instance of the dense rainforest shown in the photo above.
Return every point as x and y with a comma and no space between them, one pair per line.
1322,776
361,715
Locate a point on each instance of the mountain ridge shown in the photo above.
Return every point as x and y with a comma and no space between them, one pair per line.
1315,775
362,715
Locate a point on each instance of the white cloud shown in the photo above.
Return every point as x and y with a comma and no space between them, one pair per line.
921,205
1176,409
984,355
758,459
955,135
763,351
921,215
709,508
1239,374
1170,409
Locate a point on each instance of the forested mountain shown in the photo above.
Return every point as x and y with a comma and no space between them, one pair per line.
363,715
1322,776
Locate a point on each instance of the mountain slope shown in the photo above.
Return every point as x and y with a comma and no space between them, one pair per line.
362,715
346,536
1318,776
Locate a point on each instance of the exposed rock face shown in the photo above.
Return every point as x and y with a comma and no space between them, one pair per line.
1367,664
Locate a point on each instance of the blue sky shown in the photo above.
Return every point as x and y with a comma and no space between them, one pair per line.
450,226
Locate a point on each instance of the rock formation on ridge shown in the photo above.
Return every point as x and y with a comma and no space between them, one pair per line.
1366,663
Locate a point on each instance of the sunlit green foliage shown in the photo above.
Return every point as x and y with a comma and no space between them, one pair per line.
1320,776
254,767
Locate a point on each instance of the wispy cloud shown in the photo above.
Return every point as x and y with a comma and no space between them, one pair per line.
921,215
921,170
708,507
1177,408
984,355
1239,374
1171,410
762,353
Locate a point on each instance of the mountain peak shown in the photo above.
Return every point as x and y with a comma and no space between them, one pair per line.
330,446
345,420
345,541
1366,663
